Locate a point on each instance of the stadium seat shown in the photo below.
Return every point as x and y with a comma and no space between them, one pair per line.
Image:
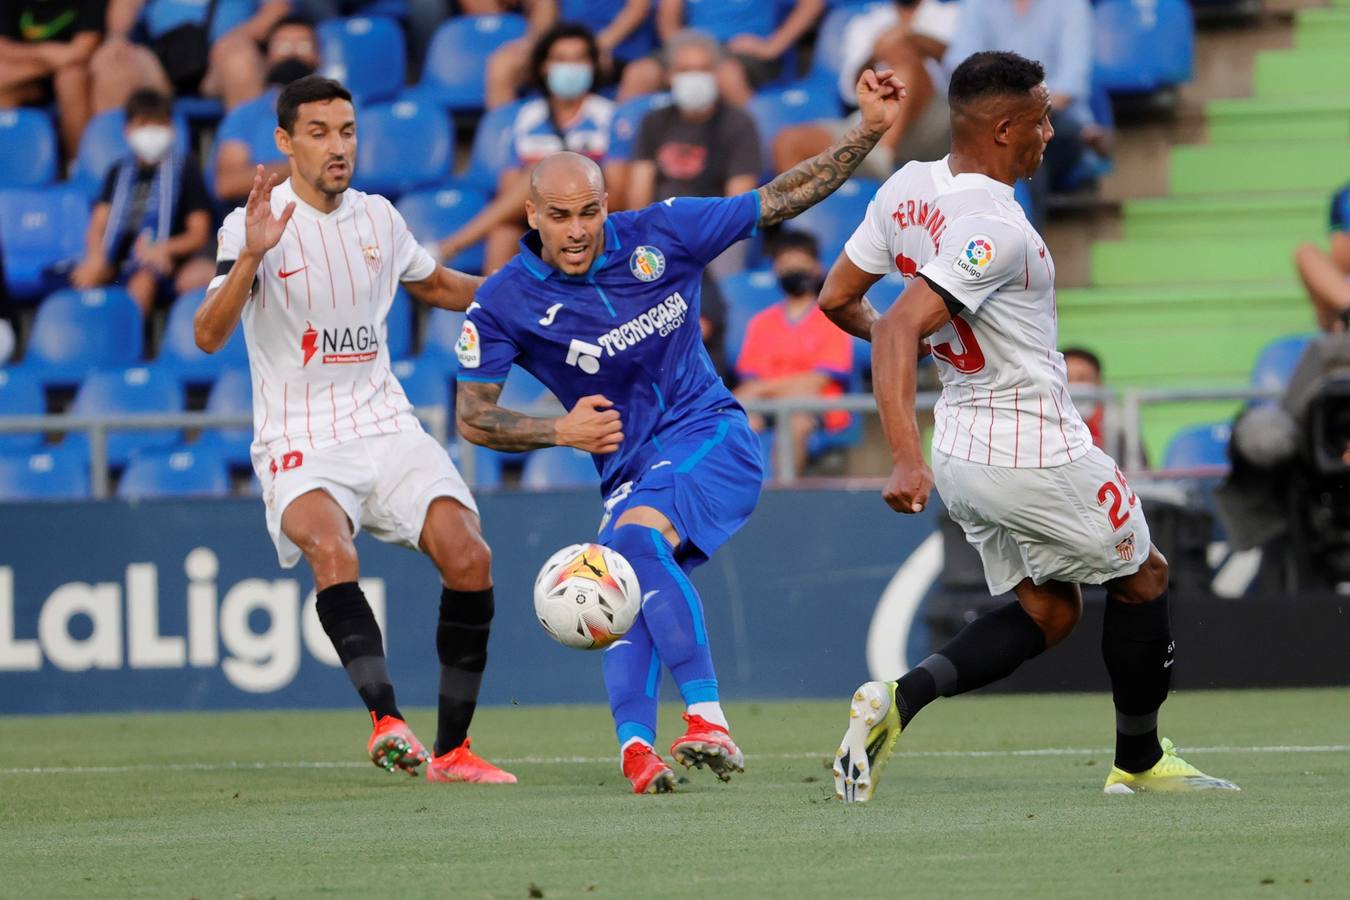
55,474
797,104
435,214
1198,447
746,293
40,231
491,151
1278,359
834,219
28,148
255,124
176,472
426,382
364,53
161,16
139,390
559,467
398,331
75,331
627,119
456,65
20,395
104,143
1142,47
440,331
404,145
178,351
232,394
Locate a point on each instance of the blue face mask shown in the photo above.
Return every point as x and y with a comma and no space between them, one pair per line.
569,80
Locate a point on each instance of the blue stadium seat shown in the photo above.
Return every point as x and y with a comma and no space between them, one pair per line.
1277,361
426,382
882,294
232,394
404,145
364,53
41,229
178,351
398,332
55,474
1198,447
255,124
522,390
746,293
28,148
456,64
435,214
440,331
160,16
623,127
75,331
806,101
491,151
20,395
104,143
559,467
1142,47
834,219
175,472
139,390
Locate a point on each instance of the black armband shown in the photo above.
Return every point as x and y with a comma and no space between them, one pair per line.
954,306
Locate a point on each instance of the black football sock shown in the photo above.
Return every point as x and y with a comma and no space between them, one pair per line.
1137,646
461,644
352,628
984,651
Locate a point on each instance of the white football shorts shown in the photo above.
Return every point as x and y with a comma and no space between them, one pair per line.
1078,523
383,483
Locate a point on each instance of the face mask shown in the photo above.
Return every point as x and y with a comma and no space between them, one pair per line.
287,70
799,283
569,81
150,143
694,91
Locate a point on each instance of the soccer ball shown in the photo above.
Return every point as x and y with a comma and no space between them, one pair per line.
586,596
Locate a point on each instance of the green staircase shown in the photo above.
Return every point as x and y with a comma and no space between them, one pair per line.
1203,279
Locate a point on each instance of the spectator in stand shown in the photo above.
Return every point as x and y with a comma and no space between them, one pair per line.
792,350
173,63
622,33
755,34
569,116
1327,275
292,53
1085,372
910,37
1057,33
420,19
152,219
45,49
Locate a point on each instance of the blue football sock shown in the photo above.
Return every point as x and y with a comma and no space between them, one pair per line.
673,611
633,682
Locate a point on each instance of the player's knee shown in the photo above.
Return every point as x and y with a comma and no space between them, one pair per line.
1060,620
635,541
467,565
332,556
1146,584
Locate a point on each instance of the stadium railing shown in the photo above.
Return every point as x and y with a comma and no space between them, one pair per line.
1124,411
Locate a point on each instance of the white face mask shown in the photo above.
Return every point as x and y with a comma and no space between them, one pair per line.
150,143
694,91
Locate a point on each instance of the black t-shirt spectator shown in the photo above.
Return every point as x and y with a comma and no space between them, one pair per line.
39,21
695,159
192,196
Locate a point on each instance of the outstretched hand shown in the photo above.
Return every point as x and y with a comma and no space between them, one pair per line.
262,230
879,97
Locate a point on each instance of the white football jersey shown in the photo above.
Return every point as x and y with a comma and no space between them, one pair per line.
315,322
1005,396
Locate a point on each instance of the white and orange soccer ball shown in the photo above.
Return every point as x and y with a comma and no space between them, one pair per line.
586,596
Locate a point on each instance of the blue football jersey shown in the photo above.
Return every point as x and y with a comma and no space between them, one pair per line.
627,329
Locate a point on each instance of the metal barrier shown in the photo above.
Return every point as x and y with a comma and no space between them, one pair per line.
1123,418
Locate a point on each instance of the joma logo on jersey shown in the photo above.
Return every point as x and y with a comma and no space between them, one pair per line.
340,345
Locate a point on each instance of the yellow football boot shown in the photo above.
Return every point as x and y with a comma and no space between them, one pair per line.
1169,774
873,728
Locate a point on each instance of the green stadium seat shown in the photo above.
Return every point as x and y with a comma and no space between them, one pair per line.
1259,167
1300,73
1324,118
1174,260
1225,215
1322,29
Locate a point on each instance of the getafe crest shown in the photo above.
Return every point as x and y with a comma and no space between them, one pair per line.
647,263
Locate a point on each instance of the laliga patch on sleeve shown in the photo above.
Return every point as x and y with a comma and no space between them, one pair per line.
469,348
973,260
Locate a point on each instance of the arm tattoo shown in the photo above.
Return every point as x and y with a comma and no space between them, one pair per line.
483,422
811,181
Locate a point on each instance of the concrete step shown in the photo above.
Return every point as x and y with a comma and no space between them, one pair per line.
1222,216
1297,73
1077,303
1197,260
1327,28
1289,118
1308,167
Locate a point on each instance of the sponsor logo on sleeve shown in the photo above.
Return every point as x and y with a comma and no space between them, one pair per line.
972,261
469,348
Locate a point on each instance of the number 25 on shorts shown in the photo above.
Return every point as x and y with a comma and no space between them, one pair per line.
1116,491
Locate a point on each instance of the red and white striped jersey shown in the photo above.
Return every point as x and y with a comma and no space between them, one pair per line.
1005,396
315,322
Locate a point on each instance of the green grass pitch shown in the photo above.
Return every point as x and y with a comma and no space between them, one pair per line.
986,796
